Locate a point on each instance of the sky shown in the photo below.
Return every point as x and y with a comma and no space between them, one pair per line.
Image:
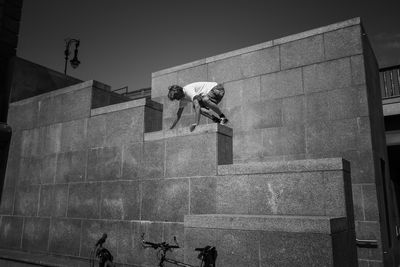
123,41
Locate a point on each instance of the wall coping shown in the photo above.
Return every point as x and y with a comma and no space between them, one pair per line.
126,105
75,87
271,223
178,132
307,165
279,41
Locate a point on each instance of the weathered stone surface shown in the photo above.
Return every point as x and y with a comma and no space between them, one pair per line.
96,131
224,149
288,140
84,200
36,234
196,159
92,231
73,135
30,144
29,171
132,161
160,84
293,110
342,136
302,52
240,92
11,232
125,126
65,236
225,70
260,62
190,75
328,75
262,114
48,169
198,238
26,200
357,70
71,166
53,200
152,119
104,163
203,195
23,115
282,84
370,202
248,145
343,42
165,200
153,233
120,200
7,200
152,160
300,249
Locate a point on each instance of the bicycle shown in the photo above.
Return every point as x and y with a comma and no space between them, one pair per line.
207,255
104,255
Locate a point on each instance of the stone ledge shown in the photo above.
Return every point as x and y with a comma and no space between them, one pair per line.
42,259
272,223
126,105
75,87
325,164
287,39
200,129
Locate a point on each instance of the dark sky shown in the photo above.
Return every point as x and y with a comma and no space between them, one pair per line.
124,41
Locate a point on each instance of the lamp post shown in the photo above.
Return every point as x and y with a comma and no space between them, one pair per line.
74,62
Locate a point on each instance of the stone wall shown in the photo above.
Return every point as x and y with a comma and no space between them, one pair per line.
310,95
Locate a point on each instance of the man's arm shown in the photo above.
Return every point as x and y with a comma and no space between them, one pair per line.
178,116
197,114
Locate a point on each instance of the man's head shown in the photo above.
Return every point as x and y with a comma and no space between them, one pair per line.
175,92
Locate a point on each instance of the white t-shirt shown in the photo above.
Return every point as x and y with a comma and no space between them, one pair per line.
193,89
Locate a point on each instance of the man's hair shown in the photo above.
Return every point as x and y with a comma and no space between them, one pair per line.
174,91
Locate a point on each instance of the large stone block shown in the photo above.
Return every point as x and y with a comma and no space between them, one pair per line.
190,75
370,202
289,140
126,243
11,232
51,138
248,145
23,115
343,42
165,200
328,75
132,161
300,249
124,126
30,143
260,62
240,92
293,110
262,114
104,163
73,135
153,119
225,70
342,136
160,84
198,238
71,166
203,194
84,200
48,169
30,171
152,160
302,52
65,235
26,200
53,200
36,234
120,200
357,70
282,84
96,131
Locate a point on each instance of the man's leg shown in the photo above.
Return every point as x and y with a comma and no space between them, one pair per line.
206,112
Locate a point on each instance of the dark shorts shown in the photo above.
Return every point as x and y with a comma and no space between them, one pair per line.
216,94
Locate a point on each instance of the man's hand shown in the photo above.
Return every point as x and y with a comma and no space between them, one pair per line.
192,127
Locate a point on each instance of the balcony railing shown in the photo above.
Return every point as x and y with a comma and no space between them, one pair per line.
390,81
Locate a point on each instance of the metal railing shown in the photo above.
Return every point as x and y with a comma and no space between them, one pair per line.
135,94
390,81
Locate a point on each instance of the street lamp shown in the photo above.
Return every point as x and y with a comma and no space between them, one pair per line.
74,62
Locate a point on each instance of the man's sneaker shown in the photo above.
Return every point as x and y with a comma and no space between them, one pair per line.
223,121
